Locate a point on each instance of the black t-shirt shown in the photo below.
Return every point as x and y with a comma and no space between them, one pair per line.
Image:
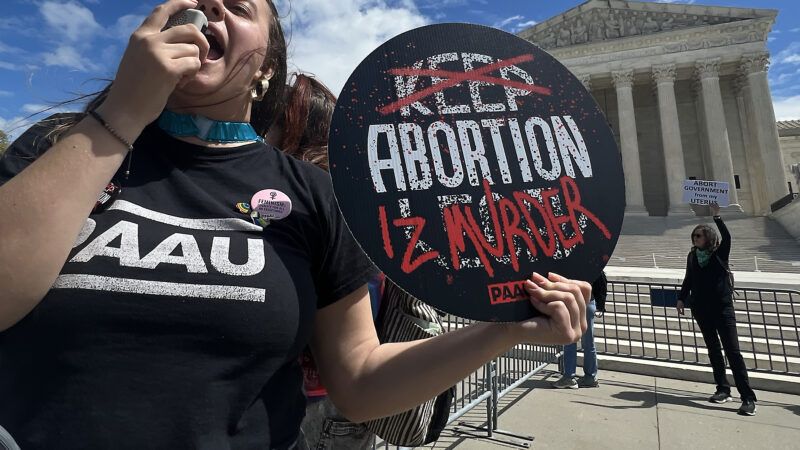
177,322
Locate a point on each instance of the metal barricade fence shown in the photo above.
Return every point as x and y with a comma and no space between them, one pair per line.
490,383
641,322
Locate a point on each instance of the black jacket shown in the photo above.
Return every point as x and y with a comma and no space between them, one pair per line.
709,285
599,292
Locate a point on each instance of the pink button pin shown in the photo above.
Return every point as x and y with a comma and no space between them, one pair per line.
271,204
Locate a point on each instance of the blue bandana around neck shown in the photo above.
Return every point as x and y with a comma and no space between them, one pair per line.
185,125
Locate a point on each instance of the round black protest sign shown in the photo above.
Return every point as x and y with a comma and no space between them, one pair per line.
465,158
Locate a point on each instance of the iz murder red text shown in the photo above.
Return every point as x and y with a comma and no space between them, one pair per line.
457,162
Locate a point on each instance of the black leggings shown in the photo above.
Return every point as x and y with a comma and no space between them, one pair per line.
718,322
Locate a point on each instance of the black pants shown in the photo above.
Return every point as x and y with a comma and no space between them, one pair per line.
718,322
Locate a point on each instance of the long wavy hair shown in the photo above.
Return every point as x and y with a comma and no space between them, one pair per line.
263,113
306,120
712,238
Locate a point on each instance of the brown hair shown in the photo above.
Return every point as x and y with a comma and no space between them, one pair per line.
263,113
307,120
712,238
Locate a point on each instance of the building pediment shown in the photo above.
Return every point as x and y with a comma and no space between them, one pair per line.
598,20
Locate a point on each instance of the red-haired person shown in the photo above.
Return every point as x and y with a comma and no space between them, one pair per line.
302,131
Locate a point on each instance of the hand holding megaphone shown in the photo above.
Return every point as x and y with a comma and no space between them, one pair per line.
161,53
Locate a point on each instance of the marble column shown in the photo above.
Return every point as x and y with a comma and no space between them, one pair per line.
664,80
707,71
765,132
755,168
629,143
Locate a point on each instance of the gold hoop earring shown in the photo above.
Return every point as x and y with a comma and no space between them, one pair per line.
259,91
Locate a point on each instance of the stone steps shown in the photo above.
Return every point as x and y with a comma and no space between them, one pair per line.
656,350
754,319
668,238
687,323
774,345
741,303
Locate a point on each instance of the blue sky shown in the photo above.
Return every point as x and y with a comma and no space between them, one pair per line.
51,50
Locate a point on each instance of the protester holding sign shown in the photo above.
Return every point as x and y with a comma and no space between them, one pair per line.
708,290
167,308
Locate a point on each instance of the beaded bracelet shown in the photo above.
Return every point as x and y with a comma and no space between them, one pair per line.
114,133
111,130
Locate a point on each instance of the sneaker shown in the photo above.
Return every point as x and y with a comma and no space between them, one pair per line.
566,383
721,397
586,382
748,408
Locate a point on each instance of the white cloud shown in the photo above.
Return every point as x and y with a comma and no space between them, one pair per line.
783,78
507,21
6,94
441,4
329,39
9,66
14,126
126,25
72,22
5,48
32,108
527,24
794,58
44,110
787,108
514,24
789,55
67,56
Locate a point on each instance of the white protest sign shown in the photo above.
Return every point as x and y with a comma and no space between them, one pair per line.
700,192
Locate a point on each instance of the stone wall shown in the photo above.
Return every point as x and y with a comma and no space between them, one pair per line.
790,146
789,217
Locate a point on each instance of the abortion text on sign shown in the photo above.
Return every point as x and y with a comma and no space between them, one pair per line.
500,229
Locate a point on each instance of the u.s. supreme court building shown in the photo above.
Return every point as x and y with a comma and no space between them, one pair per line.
685,91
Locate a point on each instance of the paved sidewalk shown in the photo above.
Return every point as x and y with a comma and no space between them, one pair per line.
634,412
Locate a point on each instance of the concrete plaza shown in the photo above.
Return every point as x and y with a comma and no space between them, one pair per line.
632,412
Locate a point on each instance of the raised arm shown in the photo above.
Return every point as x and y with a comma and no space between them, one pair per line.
724,249
367,380
43,208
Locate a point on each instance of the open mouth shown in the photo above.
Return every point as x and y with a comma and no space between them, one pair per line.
215,51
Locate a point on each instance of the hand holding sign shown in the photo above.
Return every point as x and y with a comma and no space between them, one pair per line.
562,303
464,159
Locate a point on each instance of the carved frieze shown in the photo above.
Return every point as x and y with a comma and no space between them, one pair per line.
606,24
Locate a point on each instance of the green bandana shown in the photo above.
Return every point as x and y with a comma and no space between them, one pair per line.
703,256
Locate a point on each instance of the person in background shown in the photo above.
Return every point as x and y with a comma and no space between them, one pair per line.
302,131
595,308
708,290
